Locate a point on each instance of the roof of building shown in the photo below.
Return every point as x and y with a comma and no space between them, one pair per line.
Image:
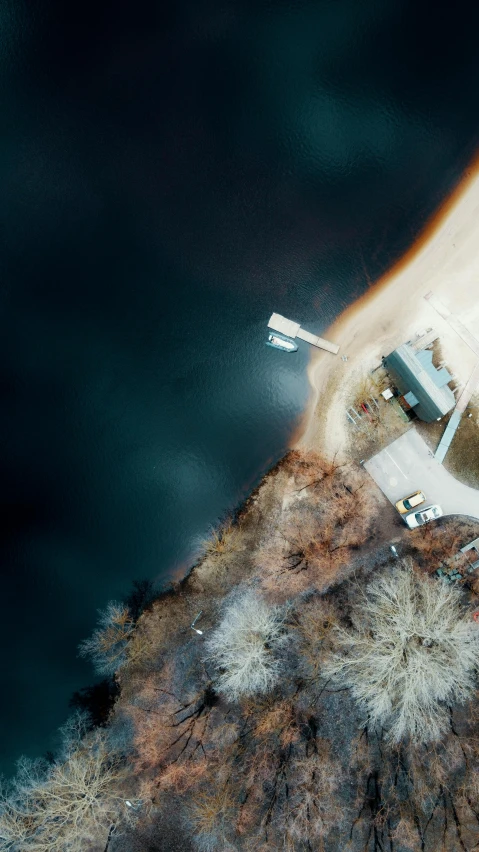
411,399
424,386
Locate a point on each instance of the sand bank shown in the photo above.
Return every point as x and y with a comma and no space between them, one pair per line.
445,260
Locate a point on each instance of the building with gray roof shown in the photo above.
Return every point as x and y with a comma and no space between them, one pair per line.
423,386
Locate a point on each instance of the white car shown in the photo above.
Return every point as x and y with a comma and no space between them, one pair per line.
417,519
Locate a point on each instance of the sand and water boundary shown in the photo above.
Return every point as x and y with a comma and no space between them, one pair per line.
444,260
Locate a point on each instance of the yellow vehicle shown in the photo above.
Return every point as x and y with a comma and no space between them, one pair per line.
411,502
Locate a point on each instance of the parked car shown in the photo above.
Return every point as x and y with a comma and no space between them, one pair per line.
411,502
417,519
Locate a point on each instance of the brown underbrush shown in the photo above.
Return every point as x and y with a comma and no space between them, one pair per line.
298,768
295,763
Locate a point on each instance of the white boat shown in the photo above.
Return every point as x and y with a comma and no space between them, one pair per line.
280,341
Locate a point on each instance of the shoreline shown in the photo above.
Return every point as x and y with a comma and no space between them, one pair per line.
351,332
444,260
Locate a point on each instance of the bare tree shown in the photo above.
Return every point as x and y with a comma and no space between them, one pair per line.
243,646
107,645
311,807
310,468
411,652
434,546
210,816
313,541
312,624
223,540
68,806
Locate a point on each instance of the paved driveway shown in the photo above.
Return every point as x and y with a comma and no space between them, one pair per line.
408,465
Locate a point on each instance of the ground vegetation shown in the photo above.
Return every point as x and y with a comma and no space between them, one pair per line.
74,803
411,651
245,736
462,459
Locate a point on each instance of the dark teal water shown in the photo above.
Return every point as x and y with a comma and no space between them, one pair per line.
170,174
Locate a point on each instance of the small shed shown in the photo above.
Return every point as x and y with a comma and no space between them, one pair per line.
424,387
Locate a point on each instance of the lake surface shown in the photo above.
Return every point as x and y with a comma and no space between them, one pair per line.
171,174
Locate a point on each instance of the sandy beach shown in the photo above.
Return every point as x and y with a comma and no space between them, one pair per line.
445,260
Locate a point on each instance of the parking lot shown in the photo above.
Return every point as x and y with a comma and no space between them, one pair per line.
408,465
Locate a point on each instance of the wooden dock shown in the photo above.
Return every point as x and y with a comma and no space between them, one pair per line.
293,329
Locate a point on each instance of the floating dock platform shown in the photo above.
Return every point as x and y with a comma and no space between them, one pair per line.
293,329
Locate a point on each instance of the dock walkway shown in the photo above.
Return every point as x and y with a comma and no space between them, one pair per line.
293,329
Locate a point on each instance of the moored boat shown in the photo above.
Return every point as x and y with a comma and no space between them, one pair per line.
280,341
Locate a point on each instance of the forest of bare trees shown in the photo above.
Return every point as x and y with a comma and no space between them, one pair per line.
329,702
70,804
